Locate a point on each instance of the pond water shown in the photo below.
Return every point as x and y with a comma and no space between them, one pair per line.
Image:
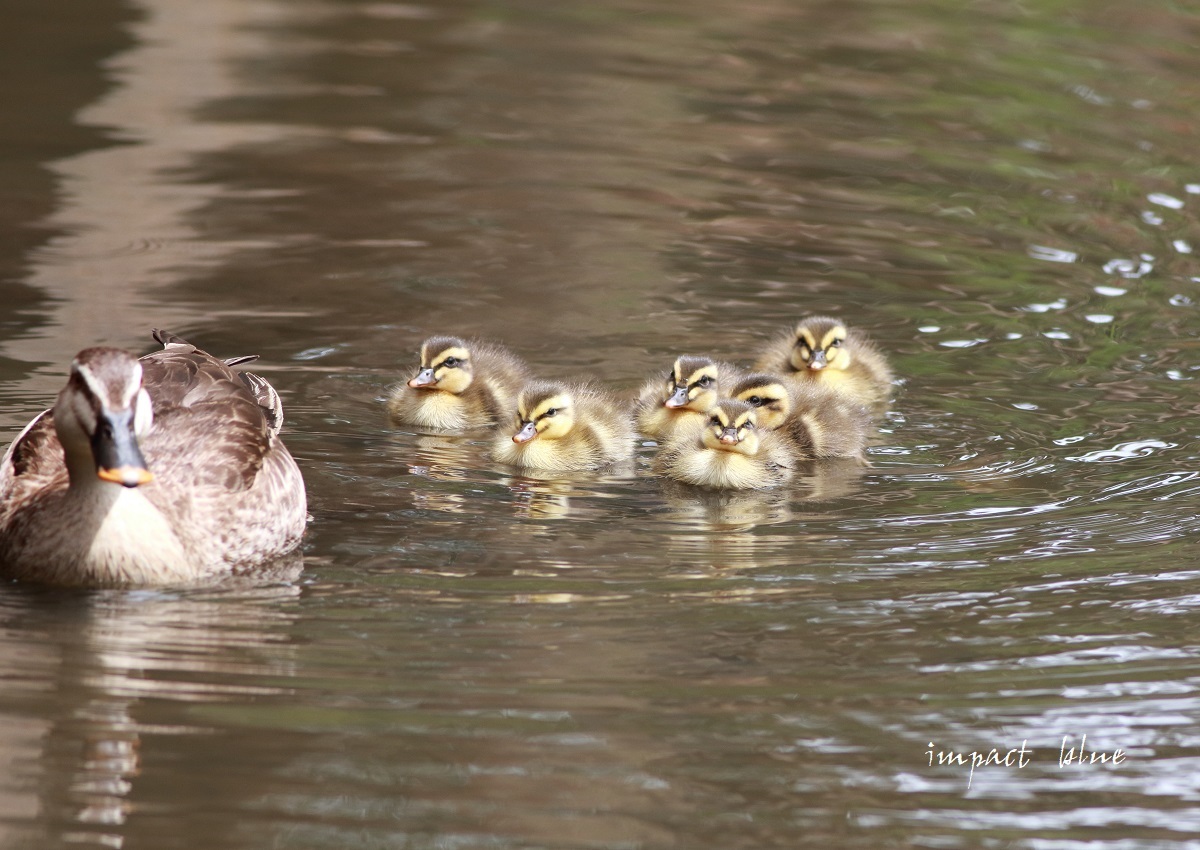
1004,195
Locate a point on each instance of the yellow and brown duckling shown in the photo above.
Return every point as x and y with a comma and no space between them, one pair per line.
731,452
682,400
459,386
813,422
823,350
563,427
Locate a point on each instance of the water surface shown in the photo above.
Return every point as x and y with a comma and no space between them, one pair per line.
1003,196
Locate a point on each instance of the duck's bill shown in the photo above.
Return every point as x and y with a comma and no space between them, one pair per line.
528,432
128,476
424,378
679,398
115,448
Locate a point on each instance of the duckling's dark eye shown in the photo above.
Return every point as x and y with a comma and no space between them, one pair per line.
551,412
451,362
835,343
716,421
706,381
755,400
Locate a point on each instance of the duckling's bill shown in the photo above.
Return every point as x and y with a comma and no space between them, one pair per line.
423,378
528,432
679,398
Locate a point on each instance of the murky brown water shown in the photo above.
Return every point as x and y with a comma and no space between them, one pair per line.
1004,195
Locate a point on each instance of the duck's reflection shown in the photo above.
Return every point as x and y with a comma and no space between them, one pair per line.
105,676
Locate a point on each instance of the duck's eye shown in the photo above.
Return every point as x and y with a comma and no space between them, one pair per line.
717,422
835,343
755,400
706,381
551,412
451,362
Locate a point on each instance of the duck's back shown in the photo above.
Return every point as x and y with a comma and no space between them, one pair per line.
221,471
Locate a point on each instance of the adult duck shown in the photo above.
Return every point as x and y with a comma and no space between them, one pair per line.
163,470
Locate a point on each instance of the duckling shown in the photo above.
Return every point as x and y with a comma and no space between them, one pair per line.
812,421
731,452
825,351
561,427
163,470
459,386
680,403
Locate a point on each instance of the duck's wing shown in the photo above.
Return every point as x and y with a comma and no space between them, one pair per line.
35,458
210,429
191,373
221,470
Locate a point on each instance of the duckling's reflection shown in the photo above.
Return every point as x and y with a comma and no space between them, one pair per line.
724,510
733,529
540,499
438,457
106,682
828,479
548,494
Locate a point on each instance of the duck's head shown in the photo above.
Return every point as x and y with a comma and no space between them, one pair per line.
820,344
100,415
545,411
691,384
768,396
445,365
732,427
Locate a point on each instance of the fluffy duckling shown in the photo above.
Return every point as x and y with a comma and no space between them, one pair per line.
825,351
812,421
731,452
459,386
563,428
681,402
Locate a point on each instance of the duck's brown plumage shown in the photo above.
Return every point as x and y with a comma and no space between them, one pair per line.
225,495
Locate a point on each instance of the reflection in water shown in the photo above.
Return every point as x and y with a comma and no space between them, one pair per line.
108,657
124,212
1002,197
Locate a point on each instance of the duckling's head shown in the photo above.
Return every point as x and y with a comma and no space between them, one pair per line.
691,384
768,395
820,344
545,411
99,416
445,365
732,427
